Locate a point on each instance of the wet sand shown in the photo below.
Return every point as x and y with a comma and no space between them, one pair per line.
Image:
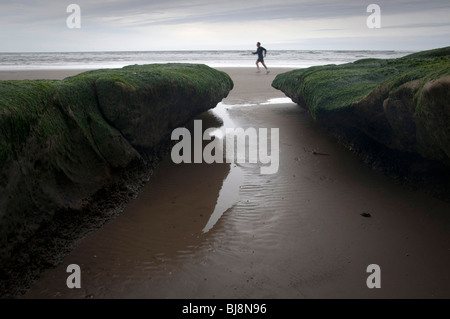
296,234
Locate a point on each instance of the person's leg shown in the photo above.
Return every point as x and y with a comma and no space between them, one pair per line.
264,65
257,65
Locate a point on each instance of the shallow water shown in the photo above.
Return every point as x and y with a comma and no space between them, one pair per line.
227,231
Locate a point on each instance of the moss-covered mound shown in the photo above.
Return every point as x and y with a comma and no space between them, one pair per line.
402,104
63,141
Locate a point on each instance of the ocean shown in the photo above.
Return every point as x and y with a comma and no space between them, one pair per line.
98,60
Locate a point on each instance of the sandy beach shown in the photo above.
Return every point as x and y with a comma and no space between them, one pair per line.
227,231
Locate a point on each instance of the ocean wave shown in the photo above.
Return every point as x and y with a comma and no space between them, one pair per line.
241,58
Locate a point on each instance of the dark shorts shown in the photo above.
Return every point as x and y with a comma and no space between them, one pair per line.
260,60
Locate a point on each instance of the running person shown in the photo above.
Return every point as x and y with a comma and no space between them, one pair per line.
259,52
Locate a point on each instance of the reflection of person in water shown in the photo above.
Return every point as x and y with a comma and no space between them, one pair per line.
259,52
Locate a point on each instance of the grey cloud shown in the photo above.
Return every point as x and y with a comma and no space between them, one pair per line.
257,11
51,11
419,25
22,20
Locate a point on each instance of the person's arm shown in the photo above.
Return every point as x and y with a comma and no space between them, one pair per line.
265,52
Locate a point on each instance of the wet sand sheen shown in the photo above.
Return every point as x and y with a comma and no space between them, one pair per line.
294,234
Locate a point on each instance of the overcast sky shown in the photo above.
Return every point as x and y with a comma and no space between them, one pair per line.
117,25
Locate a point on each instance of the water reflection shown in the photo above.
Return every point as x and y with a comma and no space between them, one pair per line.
157,231
228,196
229,193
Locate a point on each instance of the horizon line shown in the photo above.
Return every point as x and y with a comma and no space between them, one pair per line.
221,50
